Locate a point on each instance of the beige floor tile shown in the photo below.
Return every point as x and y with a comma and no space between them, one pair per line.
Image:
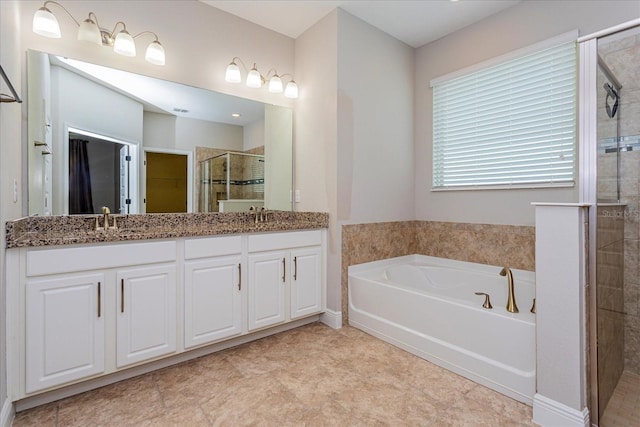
126,403
45,415
483,407
310,376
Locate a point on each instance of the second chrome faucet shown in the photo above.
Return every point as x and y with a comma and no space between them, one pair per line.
511,299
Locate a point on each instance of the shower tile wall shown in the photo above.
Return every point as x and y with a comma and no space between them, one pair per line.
622,55
609,284
505,245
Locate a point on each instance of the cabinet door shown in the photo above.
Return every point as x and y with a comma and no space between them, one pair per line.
266,288
306,282
64,330
146,313
212,298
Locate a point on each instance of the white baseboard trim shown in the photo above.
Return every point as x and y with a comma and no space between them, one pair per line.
331,318
7,414
550,413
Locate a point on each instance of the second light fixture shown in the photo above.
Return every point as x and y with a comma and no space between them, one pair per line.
255,79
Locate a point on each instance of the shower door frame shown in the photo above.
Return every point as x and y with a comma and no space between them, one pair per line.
587,178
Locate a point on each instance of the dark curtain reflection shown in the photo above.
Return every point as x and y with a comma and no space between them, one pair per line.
80,198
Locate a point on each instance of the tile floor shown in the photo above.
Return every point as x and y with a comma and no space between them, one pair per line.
309,376
623,409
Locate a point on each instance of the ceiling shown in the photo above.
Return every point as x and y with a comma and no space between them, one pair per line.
415,22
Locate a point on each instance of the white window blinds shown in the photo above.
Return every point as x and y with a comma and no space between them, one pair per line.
509,125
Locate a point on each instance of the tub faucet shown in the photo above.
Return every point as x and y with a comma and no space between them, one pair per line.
511,300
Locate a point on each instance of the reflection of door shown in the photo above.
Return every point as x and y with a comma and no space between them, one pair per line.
124,179
166,182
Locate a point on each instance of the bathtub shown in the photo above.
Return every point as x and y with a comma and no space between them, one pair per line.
427,306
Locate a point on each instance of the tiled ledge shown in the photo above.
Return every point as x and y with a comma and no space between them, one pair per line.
77,229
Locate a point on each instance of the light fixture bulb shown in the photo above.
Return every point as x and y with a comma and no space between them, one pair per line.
124,44
291,91
45,23
232,74
275,84
155,53
90,32
254,79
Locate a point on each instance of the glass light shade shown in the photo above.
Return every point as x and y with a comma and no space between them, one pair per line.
233,73
89,32
275,84
291,91
124,44
45,23
253,78
155,53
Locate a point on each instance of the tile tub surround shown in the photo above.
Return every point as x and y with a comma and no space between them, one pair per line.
77,229
311,376
507,245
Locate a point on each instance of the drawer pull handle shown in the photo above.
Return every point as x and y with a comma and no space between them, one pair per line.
121,295
295,268
284,269
239,276
99,301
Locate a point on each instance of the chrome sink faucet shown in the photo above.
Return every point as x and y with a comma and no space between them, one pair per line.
511,300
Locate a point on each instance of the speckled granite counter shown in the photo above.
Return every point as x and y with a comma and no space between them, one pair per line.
77,229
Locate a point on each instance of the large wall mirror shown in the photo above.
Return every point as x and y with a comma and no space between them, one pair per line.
136,144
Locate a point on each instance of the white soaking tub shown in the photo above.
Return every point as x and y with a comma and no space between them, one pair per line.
428,306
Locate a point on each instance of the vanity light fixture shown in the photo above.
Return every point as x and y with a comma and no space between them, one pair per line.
255,79
46,24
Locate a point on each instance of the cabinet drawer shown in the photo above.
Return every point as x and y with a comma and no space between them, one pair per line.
212,246
275,241
65,260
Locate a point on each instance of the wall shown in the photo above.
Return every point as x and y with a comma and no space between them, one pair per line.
315,135
524,24
253,135
158,130
11,129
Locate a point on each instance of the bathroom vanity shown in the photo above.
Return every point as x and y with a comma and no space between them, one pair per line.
88,312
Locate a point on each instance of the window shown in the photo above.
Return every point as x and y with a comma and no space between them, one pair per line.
511,125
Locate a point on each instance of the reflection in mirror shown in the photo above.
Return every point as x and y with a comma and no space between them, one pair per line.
172,129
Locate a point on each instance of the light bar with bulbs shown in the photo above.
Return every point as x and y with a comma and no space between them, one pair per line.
46,24
255,79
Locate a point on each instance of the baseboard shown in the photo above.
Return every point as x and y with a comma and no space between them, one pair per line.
550,413
7,413
331,318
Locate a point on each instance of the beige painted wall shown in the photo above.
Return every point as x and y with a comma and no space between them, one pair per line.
524,24
315,135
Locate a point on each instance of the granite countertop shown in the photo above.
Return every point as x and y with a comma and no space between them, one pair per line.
78,229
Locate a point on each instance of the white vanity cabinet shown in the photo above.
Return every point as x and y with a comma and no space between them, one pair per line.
84,315
146,313
285,277
64,329
70,298
212,289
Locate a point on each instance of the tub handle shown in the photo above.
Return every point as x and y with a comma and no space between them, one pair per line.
487,301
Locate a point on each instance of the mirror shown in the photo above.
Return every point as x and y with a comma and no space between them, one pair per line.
148,145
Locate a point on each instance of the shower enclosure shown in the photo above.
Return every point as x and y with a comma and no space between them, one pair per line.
618,226
231,182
